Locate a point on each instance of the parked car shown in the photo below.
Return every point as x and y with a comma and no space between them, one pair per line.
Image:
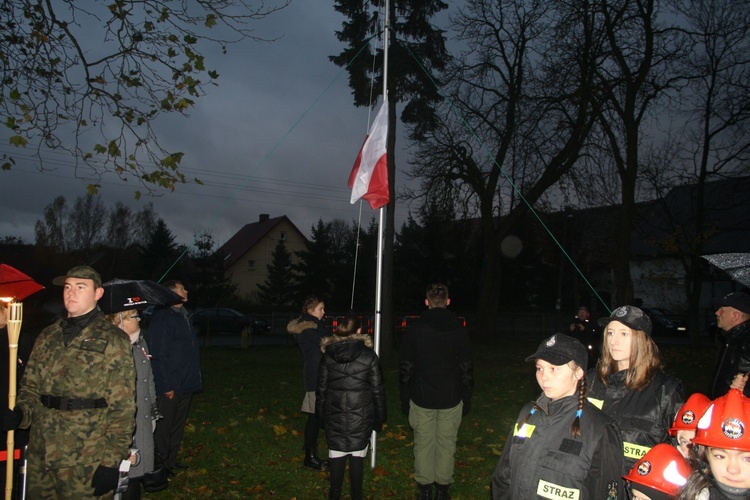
261,326
332,321
220,320
146,315
407,320
665,323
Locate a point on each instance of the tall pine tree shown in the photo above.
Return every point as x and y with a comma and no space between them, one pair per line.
278,289
412,79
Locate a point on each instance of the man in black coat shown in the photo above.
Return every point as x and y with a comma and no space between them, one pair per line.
177,374
733,317
436,375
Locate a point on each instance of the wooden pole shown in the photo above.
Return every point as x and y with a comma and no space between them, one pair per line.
15,318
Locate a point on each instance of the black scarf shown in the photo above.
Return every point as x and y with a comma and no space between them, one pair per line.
73,326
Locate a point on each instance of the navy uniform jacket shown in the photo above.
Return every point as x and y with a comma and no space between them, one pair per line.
541,458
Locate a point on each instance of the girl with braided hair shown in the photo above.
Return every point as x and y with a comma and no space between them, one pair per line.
561,446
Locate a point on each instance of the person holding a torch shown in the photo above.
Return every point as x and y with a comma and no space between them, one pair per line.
77,396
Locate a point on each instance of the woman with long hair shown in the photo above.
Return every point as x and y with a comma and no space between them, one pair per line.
629,384
310,330
561,445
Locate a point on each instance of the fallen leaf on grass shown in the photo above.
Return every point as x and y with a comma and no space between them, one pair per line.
279,430
496,449
397,437
379,471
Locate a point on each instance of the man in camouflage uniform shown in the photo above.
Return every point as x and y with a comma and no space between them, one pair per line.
78,396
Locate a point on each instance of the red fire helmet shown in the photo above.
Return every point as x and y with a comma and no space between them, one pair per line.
688,416
662,469
726,423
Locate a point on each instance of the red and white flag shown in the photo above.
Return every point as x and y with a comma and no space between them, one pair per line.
369,177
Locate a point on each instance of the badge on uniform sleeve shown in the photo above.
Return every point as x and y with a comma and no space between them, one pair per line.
94,344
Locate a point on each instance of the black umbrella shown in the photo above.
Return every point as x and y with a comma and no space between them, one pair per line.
120,295
736,265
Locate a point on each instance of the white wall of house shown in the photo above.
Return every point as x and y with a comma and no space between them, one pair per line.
251,269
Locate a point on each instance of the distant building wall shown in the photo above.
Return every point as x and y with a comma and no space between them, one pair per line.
659,283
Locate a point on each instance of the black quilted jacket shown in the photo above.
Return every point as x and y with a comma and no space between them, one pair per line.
350,397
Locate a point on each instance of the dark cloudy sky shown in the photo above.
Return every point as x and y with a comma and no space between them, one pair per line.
278,136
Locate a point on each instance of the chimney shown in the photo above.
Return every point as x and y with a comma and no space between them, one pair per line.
263,218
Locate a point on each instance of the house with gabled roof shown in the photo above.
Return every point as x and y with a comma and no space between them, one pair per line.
248,253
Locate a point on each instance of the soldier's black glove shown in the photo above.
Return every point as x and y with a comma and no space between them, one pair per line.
105,480
12,418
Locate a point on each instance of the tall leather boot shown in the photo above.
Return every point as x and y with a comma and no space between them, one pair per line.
425,491
313,461
442,491
334,494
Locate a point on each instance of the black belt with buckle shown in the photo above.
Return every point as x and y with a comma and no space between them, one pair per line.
60,403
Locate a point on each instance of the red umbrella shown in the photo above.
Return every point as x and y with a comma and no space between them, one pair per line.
15,284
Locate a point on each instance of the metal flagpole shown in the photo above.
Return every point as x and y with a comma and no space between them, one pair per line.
381,223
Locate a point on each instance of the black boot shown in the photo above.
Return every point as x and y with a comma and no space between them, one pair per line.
334,494
425,491
442,491
313,461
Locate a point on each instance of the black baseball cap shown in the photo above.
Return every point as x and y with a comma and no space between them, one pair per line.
630,316
738,300
560,349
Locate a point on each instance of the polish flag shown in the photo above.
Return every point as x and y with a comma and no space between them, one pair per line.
369,177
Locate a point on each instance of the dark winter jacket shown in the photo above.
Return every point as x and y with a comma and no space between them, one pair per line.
351,396
544,460
436,367
644,416
175,356
310,331
734,359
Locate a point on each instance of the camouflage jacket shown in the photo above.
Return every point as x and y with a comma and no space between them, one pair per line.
97,363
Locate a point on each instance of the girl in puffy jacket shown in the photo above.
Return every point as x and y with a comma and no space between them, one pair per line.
722,449
561,445
350,400
629,385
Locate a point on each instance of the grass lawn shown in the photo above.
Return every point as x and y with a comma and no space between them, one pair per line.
244,434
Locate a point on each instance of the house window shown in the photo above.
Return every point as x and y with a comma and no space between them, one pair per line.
282,235
251,265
